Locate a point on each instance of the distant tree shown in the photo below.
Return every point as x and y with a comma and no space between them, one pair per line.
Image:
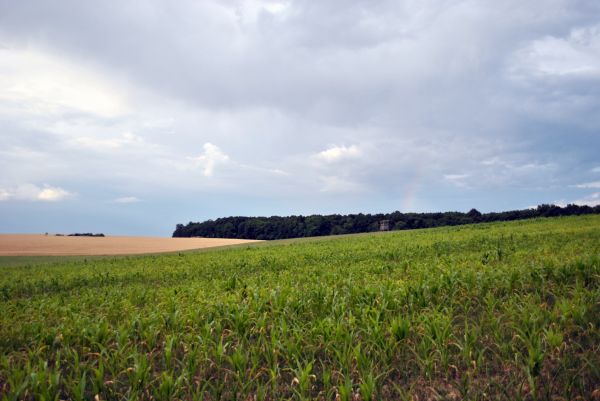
474,214
277,227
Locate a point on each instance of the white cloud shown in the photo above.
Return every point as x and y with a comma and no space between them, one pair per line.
31,192
516,170
596,170
578,54
4,195
38,83
91,142
492,162
588,185
210,158
337,153
276,7
51,194
455,177
589,200
127,199
250,10
335,184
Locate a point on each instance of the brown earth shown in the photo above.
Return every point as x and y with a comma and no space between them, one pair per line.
50,245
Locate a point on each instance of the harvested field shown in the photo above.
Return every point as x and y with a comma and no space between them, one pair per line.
42,245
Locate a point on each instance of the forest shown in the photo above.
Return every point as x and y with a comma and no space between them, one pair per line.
277,227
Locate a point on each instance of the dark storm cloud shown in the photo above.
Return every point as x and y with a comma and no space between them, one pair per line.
311,56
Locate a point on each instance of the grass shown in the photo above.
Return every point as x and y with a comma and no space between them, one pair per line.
493,311
13,261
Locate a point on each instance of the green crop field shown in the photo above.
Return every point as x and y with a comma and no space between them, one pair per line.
493,311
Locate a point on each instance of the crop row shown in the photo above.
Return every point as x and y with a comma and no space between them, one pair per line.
500,311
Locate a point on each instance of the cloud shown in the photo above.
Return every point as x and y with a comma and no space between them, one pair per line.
127,199
38,83
103,144
251,11
455,177
576,55
51,194
31,192
595,184
400,107
337,153
211,157
457,180
492,162
591,200
334,184
595,170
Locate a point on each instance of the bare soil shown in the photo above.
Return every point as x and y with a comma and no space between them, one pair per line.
50,245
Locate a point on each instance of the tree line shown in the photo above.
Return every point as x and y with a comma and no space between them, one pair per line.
277,227
80,235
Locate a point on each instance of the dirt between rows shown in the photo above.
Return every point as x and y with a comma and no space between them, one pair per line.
50,245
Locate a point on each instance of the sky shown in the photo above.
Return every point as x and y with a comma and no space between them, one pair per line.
130,117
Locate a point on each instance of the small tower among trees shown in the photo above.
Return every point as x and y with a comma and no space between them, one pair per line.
384,225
